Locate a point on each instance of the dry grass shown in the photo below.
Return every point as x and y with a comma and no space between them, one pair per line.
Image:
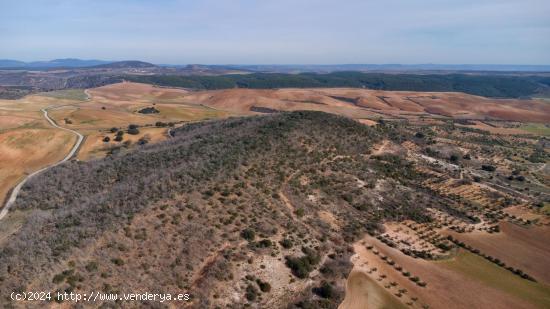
23,151
27,142
94,147
362,103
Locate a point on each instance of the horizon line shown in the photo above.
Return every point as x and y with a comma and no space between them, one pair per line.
279,64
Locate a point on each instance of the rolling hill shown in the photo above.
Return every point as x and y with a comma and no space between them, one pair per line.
205,210
275,211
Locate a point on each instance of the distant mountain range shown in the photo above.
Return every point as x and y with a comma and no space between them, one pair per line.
72,63
56,63
284,68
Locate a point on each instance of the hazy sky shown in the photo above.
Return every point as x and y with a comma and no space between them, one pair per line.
279,31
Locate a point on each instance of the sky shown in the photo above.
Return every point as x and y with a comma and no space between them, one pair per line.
278,31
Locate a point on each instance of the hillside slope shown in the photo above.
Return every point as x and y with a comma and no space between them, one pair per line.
233,212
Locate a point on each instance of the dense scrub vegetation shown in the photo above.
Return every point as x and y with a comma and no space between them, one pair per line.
483,85
15,92
205,210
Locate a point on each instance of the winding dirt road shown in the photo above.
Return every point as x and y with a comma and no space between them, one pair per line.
15,192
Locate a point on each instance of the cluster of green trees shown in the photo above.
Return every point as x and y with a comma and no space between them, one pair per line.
302,266
483,85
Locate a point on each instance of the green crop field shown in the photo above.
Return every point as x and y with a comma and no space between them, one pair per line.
68,94
536,128
482,270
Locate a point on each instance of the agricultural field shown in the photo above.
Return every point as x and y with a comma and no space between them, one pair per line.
537,128
362,103
488,234
67,94
113,108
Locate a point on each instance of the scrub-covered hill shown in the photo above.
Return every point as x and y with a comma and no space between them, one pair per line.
235,211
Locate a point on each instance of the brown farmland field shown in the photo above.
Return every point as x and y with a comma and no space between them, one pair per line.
450,282
359,103
520,247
